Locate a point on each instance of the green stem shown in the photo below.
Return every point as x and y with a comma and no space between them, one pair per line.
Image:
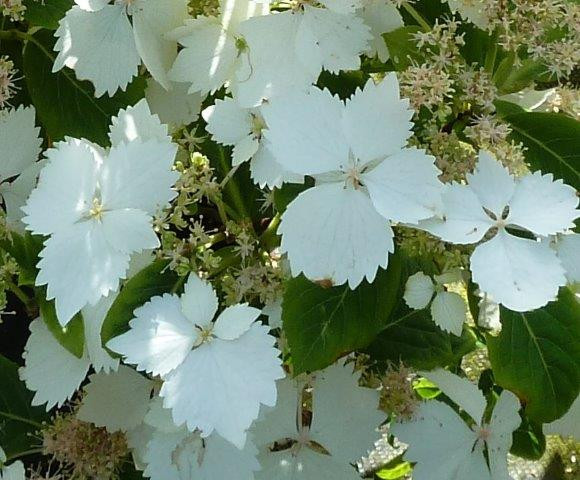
268,239
32,451
16,290
178,284
18,418
221,206
417,16
230,184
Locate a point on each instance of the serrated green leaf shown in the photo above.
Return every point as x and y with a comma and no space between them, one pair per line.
46,13
537,356
65,105
403,48
412,337
72,336
19,420
155,279
24,249
322,324
552,141
528,440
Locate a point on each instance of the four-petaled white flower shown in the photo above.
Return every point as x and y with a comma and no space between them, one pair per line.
231,124
206,366
97,207
520,273
365,177
444,447
448,309
19,149
98,41
344,422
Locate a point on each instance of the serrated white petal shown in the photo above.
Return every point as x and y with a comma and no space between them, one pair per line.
234,321
219,374
331,40
345,416
65,188
160,337
14,471
79,266
377,121
199,301
19,141
382,17
139,175
152,19
304,131
419,290
227,122
404,186
51,371
267,172
332,232
505,420
98,46
568,425
441,444
542,205
492,183
520,274
91,5
93,318
137,123
464,220
449,312
117,400
567,248
461,391
129,230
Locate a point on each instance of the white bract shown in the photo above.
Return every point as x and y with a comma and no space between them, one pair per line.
117,400
568,425
19,148
96,207
207,366
444,447
567,247
344,422
520,273
52,371
175,107
215,52
300,44
99,42
231,124
14,471
448,309
365,177
381,16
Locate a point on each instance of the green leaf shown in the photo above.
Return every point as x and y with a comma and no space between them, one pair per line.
322,324
529,440
413,338
24,249
504,108
552,141
401,470
46,13
72,336
537,356
65,105
288,192
343,84
509,79
18,419
155,279
403,48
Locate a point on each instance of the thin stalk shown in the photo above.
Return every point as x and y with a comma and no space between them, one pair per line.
18,418
417,16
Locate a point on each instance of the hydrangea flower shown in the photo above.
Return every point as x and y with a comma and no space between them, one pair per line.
175,453
96,207
214,52
344,422
301,43
444,447
19,146
231,124
365,177
100,43
206,366
448,309
520,273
